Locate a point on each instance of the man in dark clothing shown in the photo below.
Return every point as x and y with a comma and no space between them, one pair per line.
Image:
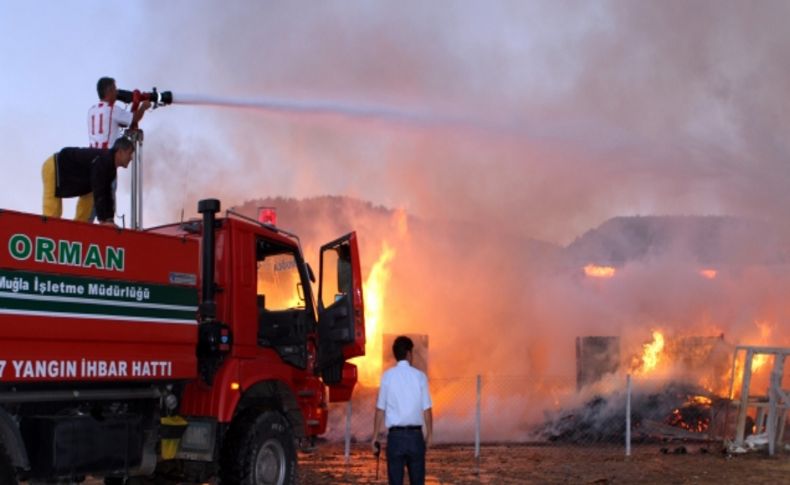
87,173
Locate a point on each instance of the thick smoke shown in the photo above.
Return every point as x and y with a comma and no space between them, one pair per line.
509,308
582,112
664,107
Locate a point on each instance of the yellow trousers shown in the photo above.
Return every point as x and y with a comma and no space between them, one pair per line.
53,205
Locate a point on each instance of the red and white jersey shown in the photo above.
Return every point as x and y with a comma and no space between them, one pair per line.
104,124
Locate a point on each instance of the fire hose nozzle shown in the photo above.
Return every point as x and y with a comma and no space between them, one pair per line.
136,97
164,98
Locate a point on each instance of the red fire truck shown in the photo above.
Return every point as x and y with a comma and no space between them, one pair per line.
182,352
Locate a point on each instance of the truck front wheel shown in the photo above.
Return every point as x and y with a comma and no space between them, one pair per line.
7,471
259,450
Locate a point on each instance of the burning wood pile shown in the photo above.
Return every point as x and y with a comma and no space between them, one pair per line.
674,411
679,384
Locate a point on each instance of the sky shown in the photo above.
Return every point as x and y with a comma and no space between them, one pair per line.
563,113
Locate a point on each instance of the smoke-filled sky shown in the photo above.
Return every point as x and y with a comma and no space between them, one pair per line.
572,111
536,119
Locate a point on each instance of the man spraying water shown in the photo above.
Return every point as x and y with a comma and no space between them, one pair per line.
105,120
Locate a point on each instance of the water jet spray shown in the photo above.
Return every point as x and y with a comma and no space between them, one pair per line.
309,106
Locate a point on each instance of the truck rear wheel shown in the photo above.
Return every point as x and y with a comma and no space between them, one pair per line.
259,450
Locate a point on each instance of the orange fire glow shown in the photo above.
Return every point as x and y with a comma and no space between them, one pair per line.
595,271
374,289
701,400
401,220
663,355
708,273
698,425
766,329
651,354
758,360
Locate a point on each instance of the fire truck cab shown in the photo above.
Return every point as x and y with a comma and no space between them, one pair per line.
187,351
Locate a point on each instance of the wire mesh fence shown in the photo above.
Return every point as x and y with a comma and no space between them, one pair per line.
619,409
467,409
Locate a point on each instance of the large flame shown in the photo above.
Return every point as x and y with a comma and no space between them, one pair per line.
662,356
651,354
375,290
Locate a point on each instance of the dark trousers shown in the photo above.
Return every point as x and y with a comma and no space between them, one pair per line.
406,447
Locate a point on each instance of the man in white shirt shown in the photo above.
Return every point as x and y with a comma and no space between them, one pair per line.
105,120
404,403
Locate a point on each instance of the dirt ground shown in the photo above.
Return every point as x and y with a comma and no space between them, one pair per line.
549,464
525,464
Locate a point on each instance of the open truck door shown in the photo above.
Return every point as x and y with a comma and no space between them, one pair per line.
341,315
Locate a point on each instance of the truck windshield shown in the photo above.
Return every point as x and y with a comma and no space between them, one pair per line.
279,285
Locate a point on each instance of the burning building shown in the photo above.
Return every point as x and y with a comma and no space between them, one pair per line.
661,291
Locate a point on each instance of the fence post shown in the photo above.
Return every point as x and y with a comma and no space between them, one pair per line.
477,417
740,424
348,433
628,415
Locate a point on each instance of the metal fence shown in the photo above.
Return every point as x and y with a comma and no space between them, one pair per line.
490,409
466,409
